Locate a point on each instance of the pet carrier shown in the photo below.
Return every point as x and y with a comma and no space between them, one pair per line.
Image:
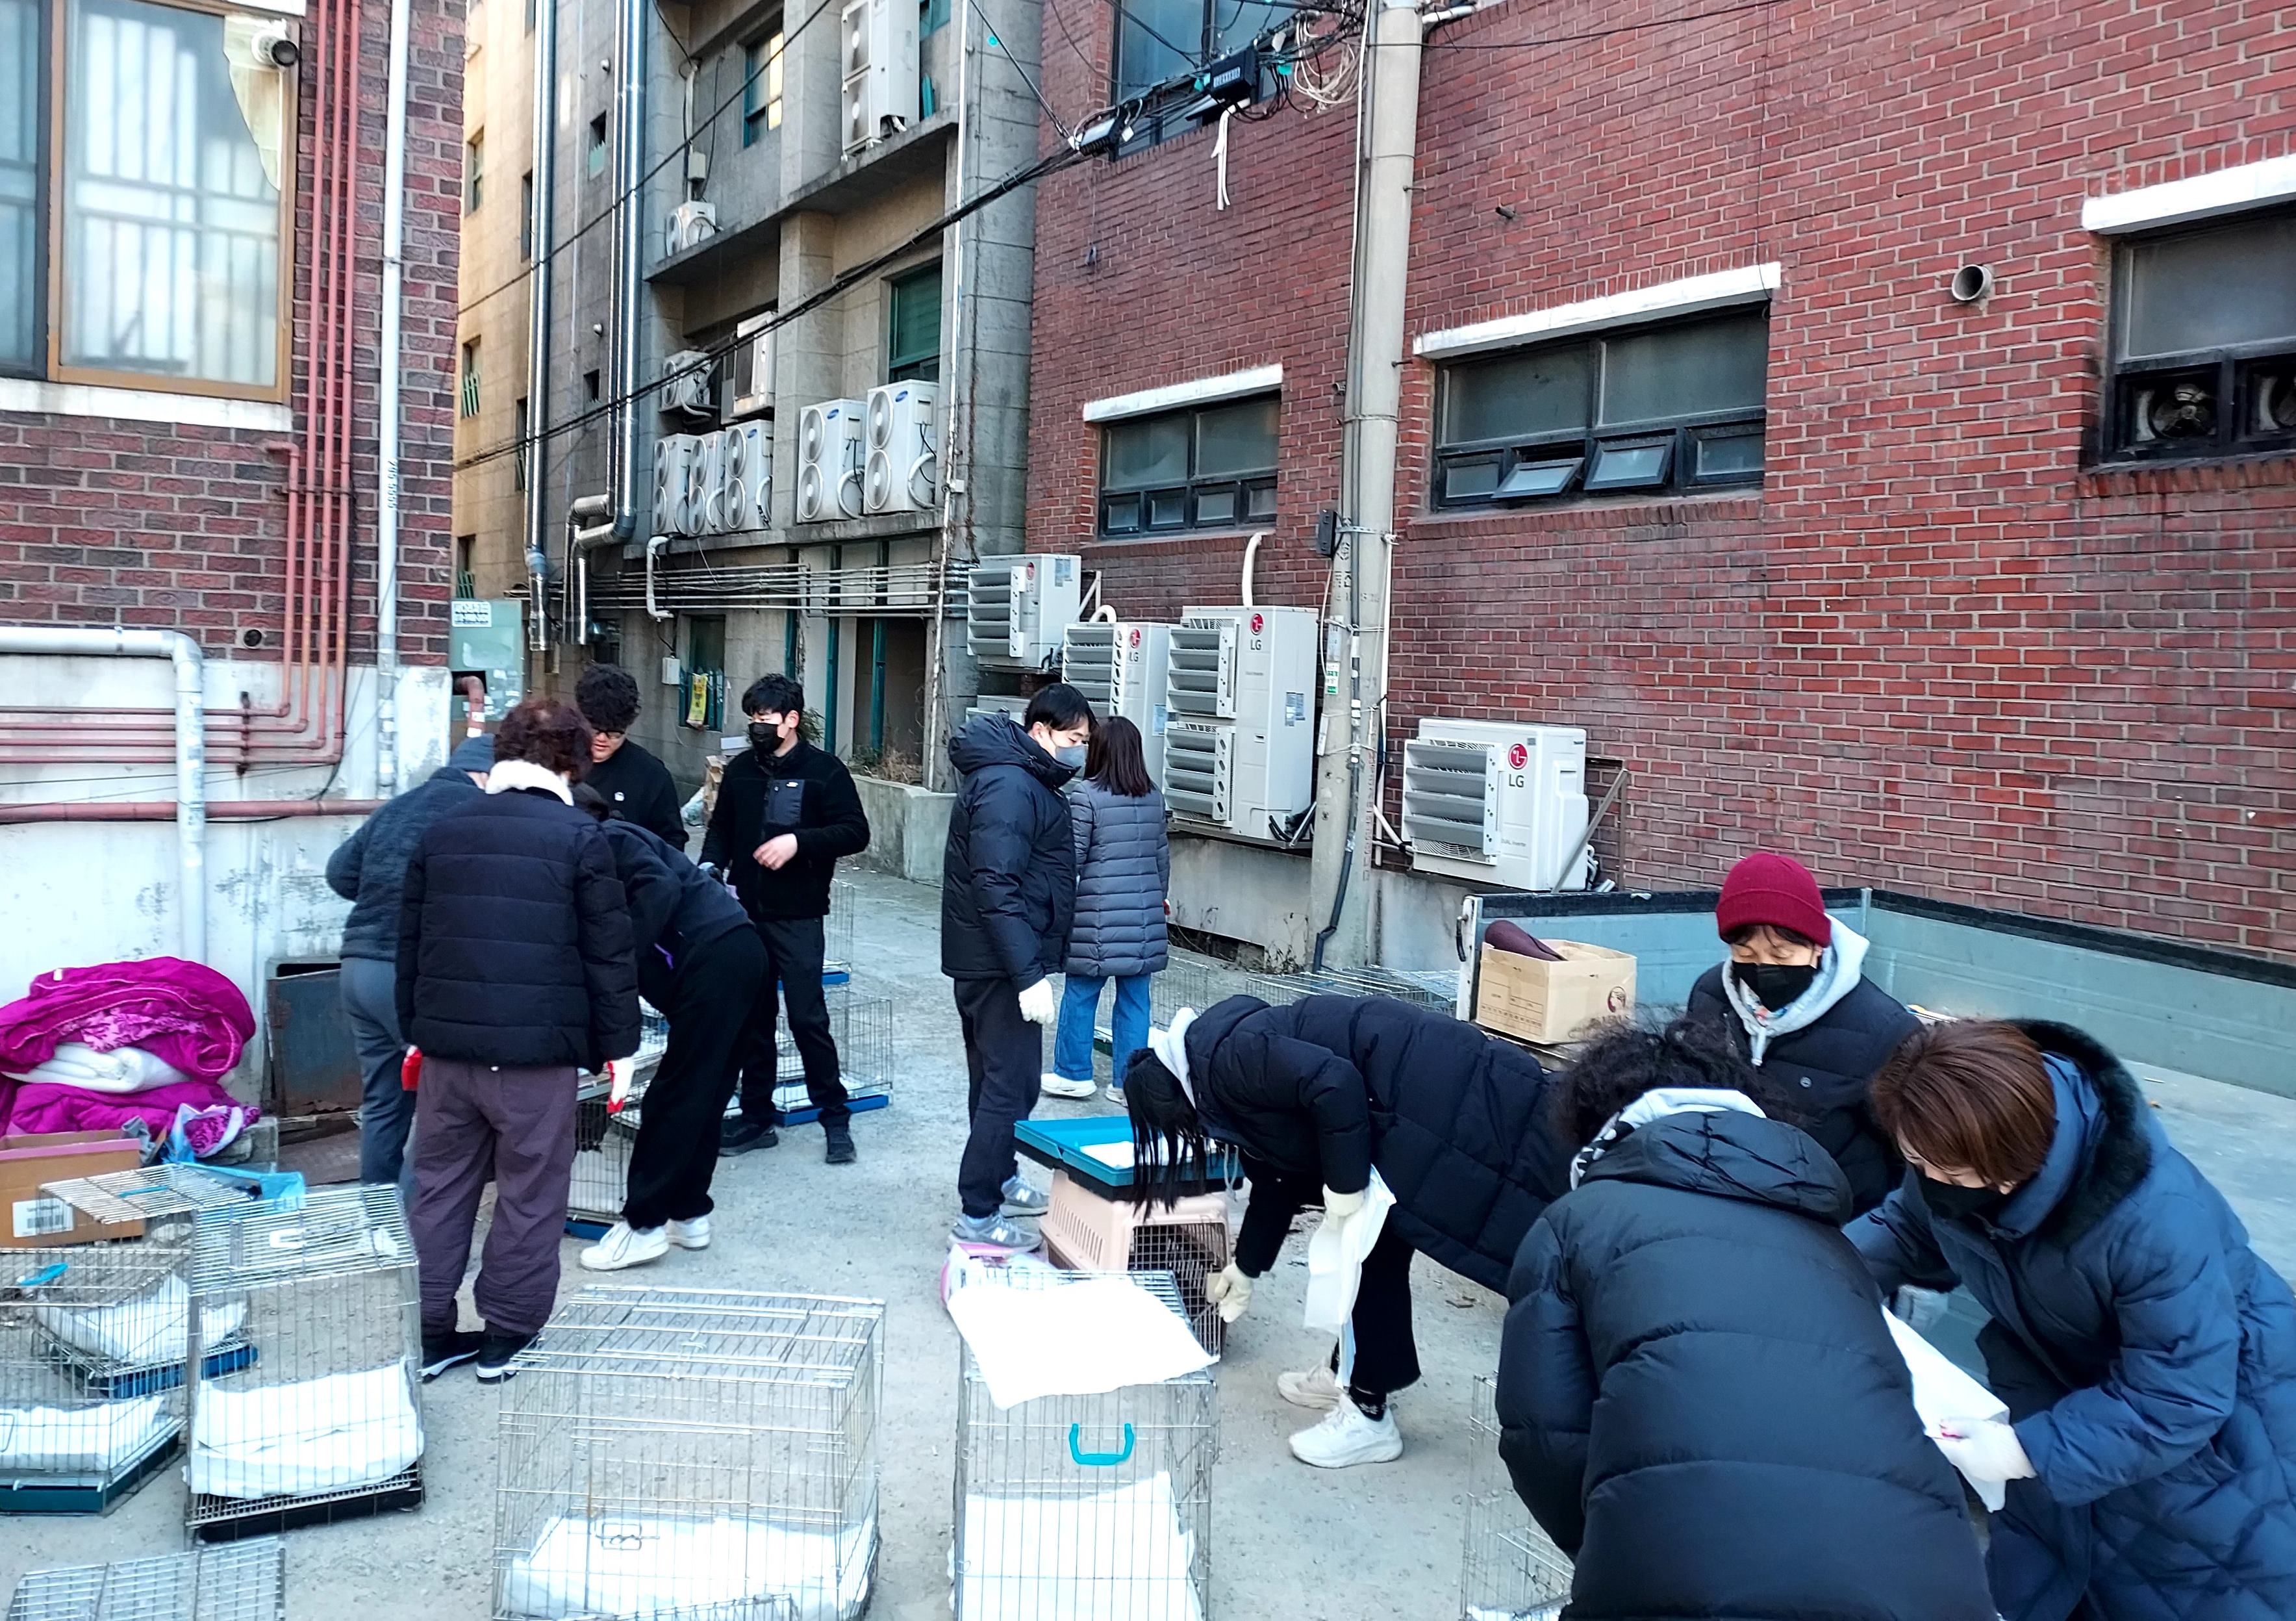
244,1582
1513,1573
1085,1507
326,1421
1091,1232
691,1455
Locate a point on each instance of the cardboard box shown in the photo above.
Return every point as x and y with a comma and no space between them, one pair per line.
28,1217
1532,1000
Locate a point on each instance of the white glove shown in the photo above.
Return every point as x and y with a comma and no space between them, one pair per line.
1230,1289
620,1074
1984,1449
1339,1206
1037,1004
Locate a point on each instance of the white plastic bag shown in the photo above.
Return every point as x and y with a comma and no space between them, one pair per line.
1942,1390
1335,1258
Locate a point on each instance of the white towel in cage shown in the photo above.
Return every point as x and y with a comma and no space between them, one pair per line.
646,1568
98,1440
311,1435
1118,1555
142,1332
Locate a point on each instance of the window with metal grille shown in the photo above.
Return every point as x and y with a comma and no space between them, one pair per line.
2204,342
761,87
1652,410
518,461
470,403
913,326
526,215
1207,467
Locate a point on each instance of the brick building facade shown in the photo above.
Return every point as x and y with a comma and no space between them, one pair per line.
2002,621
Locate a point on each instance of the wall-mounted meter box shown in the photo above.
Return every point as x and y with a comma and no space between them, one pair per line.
488,640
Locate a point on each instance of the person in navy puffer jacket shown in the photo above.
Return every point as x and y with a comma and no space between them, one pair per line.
1124,865
2146,1354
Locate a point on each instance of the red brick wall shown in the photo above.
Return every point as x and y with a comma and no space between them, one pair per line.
1933,654
184,528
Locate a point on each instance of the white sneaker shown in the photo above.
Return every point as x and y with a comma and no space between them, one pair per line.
626,1246
1346,1438
1318,1387
689,1234
1060,1086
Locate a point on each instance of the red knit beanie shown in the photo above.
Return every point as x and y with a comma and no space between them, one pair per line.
1775,889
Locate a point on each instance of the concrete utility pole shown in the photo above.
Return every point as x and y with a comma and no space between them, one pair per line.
1355,647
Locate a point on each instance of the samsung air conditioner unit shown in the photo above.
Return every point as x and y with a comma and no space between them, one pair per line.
903,468
673,477
691,224
709,485
829,460
1017,609
752,361
1271,695
1500,802
686,386
1120,667
749,474
1200,770
880,39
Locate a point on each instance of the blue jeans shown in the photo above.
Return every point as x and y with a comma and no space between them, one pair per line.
1080,1010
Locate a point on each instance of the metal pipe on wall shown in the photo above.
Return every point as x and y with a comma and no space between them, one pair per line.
386,478
629,186
537,318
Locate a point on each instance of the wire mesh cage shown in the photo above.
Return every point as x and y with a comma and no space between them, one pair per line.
241,1582
1512,1572
1092,1507
863,1025
837,932
700,1455
1189,1239
325,1421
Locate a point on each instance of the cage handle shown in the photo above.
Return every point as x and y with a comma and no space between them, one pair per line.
1097,1460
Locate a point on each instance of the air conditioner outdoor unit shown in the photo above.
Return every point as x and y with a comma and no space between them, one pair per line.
829,461
1016,608
1497,801
997,704
1121,669
1200,770
709,485
753,367
879,69
1257,666
691,224
904,469
674,456
686,386
749,473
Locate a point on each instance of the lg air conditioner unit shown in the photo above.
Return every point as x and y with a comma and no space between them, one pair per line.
753,367
686,386
829,461
1499,802
1200,678
1199,771
1272,698
997,704
880,38
903,468
1017,609
749,474
710,481
691,224
673,476
1122,670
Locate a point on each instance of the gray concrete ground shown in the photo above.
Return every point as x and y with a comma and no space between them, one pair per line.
1289,1543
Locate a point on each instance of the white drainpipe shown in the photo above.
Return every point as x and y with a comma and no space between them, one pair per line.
386,477
191,746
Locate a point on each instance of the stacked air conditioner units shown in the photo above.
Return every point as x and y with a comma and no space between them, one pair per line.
829,460
691,224
1016,609
1239,751
717,483
685,389
709,486
1497,801
675,456
903,471
749,476
752,361
880,71
1120,667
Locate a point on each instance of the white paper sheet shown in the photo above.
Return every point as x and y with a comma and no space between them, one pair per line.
1943,1390
322,1434
1081,1338
663,1568
1118,1555
1335,1258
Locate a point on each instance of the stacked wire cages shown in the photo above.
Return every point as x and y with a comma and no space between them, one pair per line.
1085,1507
1192,980
688,1455
1512,1572
1188,1238
243,1582
325,1420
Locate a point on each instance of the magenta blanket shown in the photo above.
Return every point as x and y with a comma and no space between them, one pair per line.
186,1013
38,1107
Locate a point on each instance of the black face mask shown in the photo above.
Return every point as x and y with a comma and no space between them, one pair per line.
1958,1204
1775,985
765,740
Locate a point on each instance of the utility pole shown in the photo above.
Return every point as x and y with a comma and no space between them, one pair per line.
1355,643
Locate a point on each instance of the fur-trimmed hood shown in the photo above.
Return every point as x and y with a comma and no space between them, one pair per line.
2094,1175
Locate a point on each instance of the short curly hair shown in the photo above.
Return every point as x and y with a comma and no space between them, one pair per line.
548,732
1624,1061
608,697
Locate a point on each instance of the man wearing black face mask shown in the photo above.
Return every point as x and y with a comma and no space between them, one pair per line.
1795,1002
786,811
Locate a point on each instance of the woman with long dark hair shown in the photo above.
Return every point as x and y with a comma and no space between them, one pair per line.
1123,868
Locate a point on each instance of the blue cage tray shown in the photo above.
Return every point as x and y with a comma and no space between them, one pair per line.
1060,1144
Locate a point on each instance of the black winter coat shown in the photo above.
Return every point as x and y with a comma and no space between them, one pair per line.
636,786
514,938
1700,1401
808,792
1317,1093
1829,1065
1008,877
1124,865
369,869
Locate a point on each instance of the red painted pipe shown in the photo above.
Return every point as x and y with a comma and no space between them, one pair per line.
164,810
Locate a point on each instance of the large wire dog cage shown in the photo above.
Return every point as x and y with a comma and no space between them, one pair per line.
695,1455
325,1421
1085,1507
241,1582
1512,1572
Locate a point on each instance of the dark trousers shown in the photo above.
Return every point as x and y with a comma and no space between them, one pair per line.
370,988
471,1119
1387,1357
708,1008
794,958
1004,1064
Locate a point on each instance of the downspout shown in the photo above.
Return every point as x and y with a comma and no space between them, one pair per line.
581,540
631,290
956,439
386,499
538,319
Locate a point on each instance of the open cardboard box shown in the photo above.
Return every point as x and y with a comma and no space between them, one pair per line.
27,1164
1532,1000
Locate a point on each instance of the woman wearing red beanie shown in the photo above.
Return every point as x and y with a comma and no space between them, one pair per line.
1795,1002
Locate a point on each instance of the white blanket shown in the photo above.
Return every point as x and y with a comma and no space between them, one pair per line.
126,1069
1081,1338
1118,1555
323,1435
145,1332
100,1440
660,1569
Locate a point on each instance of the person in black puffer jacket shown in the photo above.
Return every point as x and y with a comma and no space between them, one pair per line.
1699,1399
1124,865
1316,1095
516,971
1007,892
1794,1001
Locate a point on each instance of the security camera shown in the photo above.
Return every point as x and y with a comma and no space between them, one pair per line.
276,48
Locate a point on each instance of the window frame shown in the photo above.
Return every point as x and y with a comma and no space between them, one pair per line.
598,147
1152,126
932,16
908,370
763,116
526,217
470,378
1679,437
1242,485
475,171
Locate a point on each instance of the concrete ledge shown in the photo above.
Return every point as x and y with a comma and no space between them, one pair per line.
909,828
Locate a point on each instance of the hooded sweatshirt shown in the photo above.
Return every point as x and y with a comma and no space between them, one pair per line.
1008,875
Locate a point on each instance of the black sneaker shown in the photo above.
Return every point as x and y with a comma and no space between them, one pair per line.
745,1135
444,1350
496,1352
840,1144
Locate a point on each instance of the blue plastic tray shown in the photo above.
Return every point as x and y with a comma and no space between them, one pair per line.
1060,1144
